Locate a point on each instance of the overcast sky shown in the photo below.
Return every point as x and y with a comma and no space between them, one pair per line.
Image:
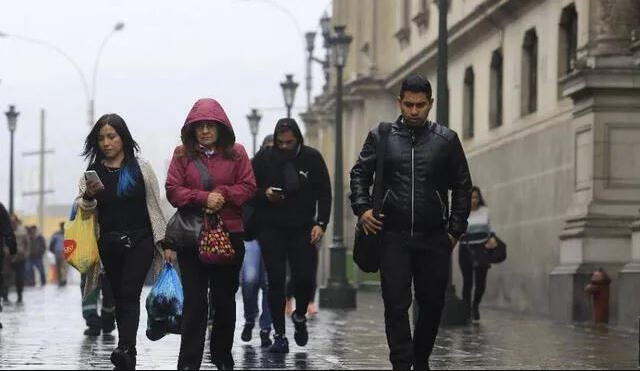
168,55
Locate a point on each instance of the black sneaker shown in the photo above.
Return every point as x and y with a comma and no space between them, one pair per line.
280,344
475,313
265,339
92,331
246,332
124,358
301,336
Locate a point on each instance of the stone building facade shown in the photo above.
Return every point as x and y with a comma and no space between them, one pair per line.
546,97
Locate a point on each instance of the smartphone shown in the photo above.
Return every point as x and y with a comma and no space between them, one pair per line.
276,189
91,175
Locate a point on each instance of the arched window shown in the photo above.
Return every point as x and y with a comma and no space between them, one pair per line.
495,93
529,85
468,104
568,42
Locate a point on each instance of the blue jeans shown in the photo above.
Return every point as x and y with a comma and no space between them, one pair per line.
253,277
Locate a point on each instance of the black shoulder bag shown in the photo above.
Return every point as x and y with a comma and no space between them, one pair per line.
183,229
366,248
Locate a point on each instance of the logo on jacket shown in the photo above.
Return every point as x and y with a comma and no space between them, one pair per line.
304,174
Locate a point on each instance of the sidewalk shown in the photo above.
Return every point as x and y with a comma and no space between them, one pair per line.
46,333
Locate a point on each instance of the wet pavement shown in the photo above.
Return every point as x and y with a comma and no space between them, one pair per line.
46,333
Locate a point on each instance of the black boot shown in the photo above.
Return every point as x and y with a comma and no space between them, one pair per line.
265,339
124,357
475,312
246,332
301,335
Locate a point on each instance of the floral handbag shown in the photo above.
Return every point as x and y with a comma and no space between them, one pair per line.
214,244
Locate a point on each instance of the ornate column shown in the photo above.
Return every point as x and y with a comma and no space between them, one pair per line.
605,88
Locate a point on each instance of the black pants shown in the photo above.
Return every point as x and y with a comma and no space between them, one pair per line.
429,270
472,272
18,269
126,270
280,245
196,280
291,287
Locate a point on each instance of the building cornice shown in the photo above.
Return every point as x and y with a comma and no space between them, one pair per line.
483,18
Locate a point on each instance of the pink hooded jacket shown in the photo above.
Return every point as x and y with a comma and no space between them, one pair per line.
233,178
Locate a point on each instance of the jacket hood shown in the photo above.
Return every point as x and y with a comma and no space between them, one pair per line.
285,124
207,109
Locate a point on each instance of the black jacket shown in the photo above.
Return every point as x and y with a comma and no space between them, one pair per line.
7,237
305,207
420,166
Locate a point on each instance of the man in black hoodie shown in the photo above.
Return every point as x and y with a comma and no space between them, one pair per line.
293,204
7,238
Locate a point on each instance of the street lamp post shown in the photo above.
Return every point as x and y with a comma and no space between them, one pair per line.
338,293
254,122
289,91
89,95
456,312
12,122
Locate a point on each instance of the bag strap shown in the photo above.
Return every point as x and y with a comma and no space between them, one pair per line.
381,149
204,174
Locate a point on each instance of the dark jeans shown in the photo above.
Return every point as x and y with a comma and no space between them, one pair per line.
39,265
106,319
196,280
126,270
18,269
279,246
291,287
471,272
253,277
428,268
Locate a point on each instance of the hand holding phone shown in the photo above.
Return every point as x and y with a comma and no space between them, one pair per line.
94,184
274,194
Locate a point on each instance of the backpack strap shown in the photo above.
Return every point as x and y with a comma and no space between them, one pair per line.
381,149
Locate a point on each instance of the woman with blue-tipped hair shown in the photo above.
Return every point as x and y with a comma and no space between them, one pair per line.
123,190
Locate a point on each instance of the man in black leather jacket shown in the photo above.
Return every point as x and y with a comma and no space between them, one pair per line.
423,161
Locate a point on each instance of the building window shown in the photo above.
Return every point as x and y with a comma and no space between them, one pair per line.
468,104
568,42
529,86
404,22
495,94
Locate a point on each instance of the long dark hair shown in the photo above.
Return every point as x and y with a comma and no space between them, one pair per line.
224,143
130,170
477,189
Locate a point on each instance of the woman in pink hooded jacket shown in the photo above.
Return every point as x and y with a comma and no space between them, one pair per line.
207,135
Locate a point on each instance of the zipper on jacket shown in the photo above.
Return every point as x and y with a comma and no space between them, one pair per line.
413,180
444,210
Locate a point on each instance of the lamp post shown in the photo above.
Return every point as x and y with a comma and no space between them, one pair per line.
289,92
338,293
456,312
12,122
254,123
89,95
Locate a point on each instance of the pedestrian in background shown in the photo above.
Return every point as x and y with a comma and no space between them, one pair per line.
209,144
56,246
106,320
293,205
7,238
253,275
423,161
130,223
473,258
22,252
36,254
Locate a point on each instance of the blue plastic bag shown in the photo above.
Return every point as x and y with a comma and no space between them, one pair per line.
164,305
